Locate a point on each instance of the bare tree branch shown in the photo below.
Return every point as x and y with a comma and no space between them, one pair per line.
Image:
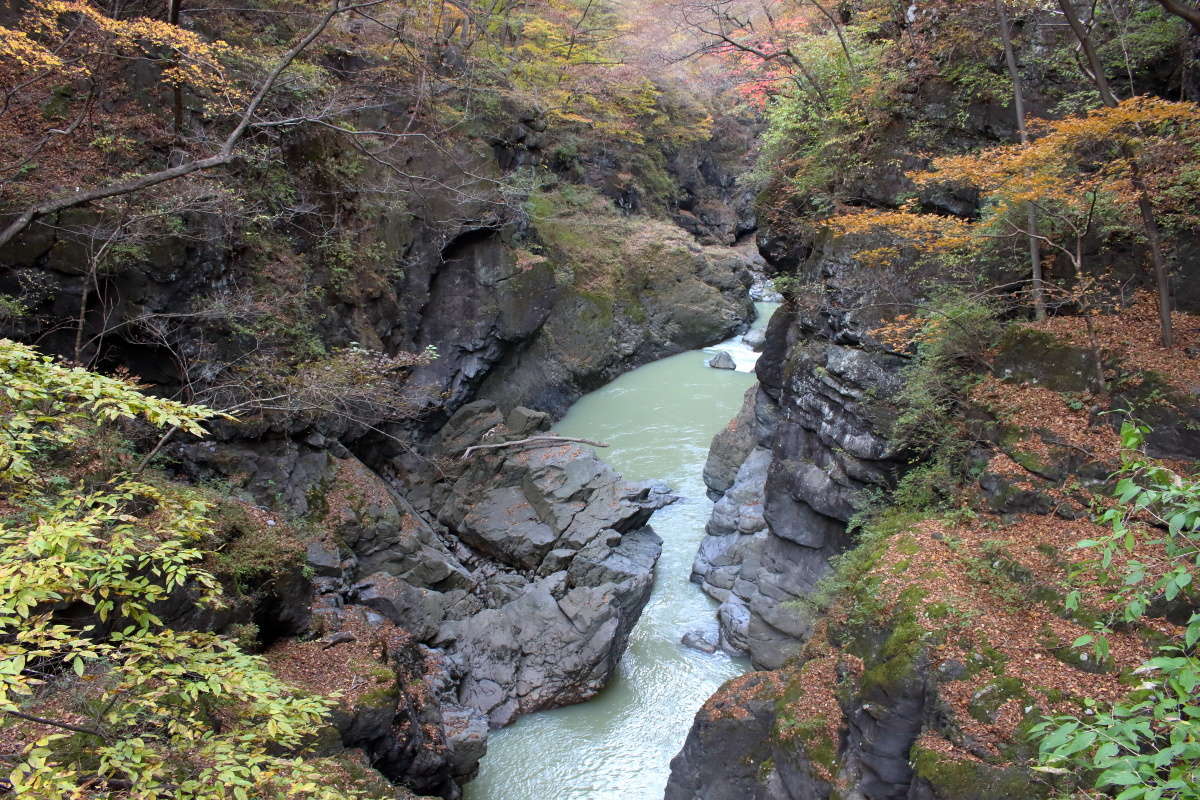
531,440
55,723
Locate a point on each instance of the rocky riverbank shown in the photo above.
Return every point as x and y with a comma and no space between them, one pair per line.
441,593
908,657
513,579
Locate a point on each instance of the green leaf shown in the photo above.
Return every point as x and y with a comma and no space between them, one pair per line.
1117,777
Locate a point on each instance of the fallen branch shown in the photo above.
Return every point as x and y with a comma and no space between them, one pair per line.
532,439
55,723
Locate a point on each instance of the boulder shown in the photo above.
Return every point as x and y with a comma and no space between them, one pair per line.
466,732
418,611
722,360
562,561
522,421
699,640
557,642
731,445
323,559
755,339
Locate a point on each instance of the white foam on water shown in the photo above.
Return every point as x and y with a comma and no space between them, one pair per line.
744,358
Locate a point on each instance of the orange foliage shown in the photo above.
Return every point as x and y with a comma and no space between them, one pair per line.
925,232
1047,170
1067,167
47,26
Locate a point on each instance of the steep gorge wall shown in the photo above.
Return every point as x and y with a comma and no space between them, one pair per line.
796,464
442,595
810,446
917,674
867,685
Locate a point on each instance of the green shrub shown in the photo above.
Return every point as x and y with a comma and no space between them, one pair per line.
958,329
135,709
1147,746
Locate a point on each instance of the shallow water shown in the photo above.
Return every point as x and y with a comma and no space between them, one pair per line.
659,421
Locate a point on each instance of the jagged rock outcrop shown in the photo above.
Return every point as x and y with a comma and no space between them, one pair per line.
564,564
795,465
669,295
520,570
865,700
729,745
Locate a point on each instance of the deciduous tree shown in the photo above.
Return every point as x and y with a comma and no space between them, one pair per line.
137,710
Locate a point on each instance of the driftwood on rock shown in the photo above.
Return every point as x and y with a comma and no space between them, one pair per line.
531,440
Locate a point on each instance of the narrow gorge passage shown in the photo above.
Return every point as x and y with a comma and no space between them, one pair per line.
658,421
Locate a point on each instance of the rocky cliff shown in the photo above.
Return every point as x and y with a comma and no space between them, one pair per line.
908,656
809,445
443,592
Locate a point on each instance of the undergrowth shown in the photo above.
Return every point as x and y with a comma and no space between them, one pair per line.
957,329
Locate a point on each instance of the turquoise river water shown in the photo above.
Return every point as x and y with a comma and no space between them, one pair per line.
659,421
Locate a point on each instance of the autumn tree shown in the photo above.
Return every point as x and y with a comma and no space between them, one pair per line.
1071,172
105,699
1145,207
38,53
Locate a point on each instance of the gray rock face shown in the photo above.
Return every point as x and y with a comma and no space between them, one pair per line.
430,746
790,471
722,360
711,204
559,640
466,734
692,297
732,752
419,611
521,570
565,565
729,753
525,566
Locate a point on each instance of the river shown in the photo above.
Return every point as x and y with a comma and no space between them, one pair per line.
659,421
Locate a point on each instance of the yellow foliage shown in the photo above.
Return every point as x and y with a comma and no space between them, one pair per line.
925,232
47,24
1068,167
1046,169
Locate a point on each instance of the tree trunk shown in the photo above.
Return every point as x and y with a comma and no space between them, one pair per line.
1085,305
1035,250
1145,207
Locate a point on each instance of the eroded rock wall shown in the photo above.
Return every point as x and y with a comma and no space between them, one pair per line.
808,447
946,636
